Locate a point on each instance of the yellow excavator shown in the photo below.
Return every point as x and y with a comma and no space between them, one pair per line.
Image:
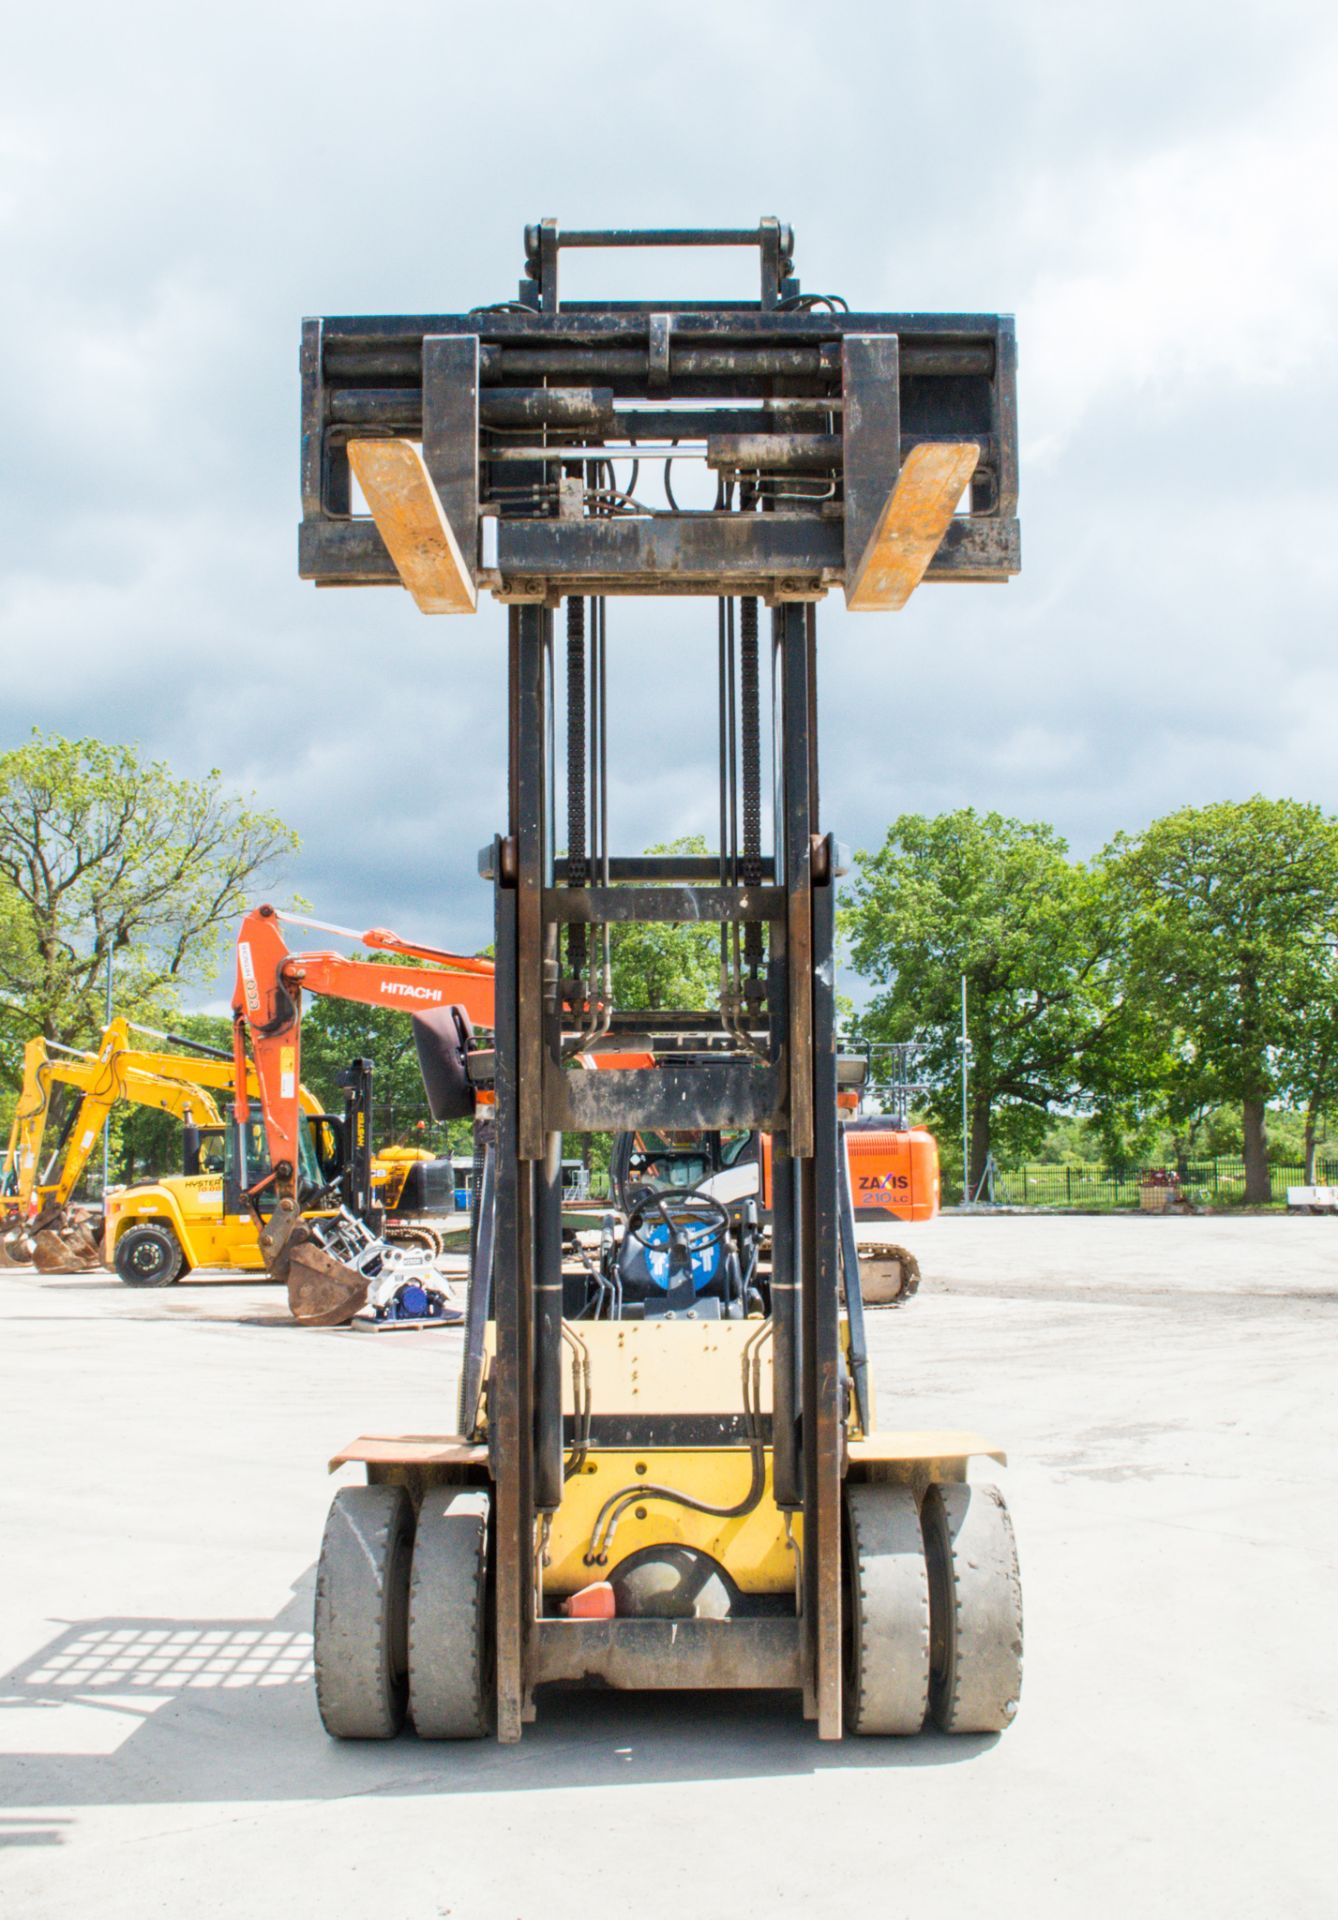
152,1232
155,1232
39,1222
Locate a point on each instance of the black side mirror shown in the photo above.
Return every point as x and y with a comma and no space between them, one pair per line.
444,1037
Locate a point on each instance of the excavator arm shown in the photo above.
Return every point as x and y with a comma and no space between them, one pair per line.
182,1085
29,1124
121,1072
114,1073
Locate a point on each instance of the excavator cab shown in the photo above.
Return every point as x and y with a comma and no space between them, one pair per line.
246,1164
646,1162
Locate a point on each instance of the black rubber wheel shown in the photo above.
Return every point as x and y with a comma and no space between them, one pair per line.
149,1257
450,1632
362,1590
887,1621
975,1602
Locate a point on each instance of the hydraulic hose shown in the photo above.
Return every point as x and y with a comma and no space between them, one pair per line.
613,1509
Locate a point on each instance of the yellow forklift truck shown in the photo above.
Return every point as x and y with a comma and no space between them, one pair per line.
666,1469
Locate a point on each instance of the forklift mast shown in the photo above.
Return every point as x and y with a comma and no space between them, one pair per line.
499,450
355,1179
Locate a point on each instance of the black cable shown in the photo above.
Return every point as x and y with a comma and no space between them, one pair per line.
613,1509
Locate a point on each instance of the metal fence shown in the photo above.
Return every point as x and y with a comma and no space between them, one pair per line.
1209,1182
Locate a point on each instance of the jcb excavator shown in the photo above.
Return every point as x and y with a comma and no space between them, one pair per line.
157,1231
330,1260
42,1226
153,1232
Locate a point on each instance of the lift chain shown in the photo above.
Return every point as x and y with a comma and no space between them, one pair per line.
751,756
578,872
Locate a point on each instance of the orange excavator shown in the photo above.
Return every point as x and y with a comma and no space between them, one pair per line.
331,1262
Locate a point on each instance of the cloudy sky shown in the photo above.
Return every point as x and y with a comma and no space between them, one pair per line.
1149,187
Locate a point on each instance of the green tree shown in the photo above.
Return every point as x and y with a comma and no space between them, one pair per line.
1001,902
103,853
1311,1060
657,964
1232,912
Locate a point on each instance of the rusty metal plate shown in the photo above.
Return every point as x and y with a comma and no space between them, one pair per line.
410,1450
918,513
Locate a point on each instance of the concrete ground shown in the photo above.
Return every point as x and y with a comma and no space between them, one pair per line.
1166,1391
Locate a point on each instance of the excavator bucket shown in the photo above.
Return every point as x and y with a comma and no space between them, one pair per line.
66,1243
322,1291
888,1274
16,1248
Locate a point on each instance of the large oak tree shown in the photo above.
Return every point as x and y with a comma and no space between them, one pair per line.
1000,902
1232,916
105,854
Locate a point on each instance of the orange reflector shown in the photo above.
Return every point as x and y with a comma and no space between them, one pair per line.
591,1603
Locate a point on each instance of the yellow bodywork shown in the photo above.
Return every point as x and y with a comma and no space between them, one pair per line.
192,1206
752,1547
390,1171
645,1368
638,1372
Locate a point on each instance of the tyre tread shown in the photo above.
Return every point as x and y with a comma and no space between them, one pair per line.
449,1677
361,1685
888,1664
976,1597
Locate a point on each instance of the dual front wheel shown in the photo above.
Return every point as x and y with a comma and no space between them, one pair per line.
934,1617
933,1627
401,1624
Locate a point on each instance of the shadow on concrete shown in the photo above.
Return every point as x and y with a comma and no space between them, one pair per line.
19,1830
102,1280
145,1711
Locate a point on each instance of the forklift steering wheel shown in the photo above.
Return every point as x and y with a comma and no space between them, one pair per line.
698,1216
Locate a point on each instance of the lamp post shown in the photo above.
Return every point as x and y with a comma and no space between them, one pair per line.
965,1044
106,1131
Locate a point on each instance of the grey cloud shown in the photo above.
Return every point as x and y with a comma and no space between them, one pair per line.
1140,184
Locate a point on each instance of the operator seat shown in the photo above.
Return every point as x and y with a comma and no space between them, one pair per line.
678,1257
